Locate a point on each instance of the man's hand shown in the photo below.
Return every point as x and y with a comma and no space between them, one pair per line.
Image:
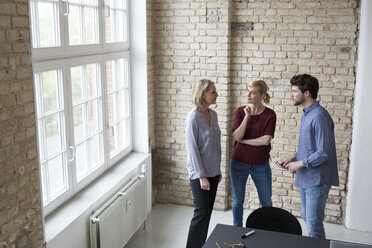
294,166
204,183
286,161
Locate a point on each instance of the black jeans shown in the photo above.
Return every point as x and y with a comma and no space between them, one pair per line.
203,203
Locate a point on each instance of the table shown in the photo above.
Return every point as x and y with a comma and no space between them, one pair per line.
261,239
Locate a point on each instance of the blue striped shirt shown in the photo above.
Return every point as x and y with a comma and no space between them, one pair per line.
203,142
316,149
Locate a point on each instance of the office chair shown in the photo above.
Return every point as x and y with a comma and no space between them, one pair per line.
274,219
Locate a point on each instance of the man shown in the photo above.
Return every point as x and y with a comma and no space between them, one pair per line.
315,162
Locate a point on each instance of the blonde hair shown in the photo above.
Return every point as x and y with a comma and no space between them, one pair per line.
262,88
202,86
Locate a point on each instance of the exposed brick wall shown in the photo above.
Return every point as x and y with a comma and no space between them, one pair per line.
150,74
292,37
191,41
20,205
233,43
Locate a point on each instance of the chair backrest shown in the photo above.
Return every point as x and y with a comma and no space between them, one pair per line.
274,219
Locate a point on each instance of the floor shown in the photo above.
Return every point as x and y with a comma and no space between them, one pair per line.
167,226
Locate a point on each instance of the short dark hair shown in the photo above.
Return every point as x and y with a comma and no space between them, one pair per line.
306,82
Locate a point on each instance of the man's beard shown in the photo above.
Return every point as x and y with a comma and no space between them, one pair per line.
299,102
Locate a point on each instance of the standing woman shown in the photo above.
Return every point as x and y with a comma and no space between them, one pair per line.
203,141
253,130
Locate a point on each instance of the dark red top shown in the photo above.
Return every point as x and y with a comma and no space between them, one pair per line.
257,126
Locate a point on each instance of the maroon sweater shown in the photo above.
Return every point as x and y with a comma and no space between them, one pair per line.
257,126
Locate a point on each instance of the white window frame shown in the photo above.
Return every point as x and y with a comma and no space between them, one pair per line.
47,52
115,56
64,57
112,46
72,50
47,66
79,61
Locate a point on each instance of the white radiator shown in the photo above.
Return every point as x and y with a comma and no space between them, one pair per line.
112,225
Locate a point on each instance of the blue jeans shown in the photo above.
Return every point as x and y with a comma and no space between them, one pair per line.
313,201
261,175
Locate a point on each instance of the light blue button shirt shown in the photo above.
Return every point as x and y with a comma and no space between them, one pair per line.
203,142
316,149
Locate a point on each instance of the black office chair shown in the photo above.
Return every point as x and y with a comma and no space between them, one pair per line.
274,219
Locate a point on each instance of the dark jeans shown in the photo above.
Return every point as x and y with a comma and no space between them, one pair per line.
203,203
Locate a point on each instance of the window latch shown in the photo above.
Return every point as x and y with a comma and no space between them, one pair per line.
67,7
73,150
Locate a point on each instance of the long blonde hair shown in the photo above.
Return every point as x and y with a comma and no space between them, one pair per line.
198,89
262,88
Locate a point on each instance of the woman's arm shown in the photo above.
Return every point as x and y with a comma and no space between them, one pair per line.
193,152
240,131
261,141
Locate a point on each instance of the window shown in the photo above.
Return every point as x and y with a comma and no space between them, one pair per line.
81,65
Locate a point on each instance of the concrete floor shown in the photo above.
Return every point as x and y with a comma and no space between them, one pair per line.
167,226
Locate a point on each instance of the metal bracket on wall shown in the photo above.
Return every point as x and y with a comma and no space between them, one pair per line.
213,16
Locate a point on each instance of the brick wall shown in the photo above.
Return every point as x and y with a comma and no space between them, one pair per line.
191,41
233,43
20,206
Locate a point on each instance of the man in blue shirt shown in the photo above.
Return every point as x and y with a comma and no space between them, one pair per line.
315,162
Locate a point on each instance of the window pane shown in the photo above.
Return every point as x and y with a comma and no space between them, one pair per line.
111,137
82,168
111,107
83,23
79,130
75,25
118,139
50,90
91,2
90,26
45,24
122,104
119,29
110,75
95,151
117,104
91,80
57,180
115,21
53,134
123,139
120,4
93,115
122,73
76,84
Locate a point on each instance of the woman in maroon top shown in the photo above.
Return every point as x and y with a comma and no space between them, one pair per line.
253,130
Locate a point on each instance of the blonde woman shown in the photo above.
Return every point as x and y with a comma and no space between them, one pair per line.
253,130
203,141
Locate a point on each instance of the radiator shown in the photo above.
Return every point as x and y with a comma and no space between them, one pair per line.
112,225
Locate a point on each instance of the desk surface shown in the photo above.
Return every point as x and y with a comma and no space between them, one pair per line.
261,239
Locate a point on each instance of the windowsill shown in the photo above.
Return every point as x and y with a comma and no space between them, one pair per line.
93,196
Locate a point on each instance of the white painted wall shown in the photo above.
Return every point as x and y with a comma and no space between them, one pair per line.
359,197
138,51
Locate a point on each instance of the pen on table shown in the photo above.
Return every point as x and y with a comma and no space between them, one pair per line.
218,245
248,234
